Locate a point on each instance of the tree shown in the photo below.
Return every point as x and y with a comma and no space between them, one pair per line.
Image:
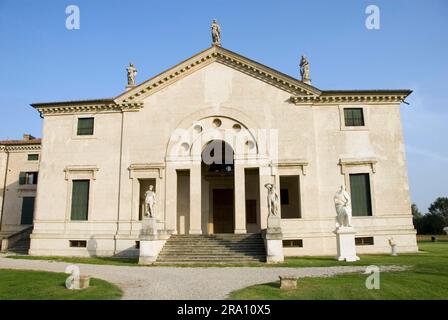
416,214
439,207
435,220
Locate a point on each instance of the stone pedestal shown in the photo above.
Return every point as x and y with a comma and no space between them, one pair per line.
274,241
150,242
345,240
288,282
393,250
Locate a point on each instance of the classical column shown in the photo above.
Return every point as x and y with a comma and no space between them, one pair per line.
240,199
195,199
171,198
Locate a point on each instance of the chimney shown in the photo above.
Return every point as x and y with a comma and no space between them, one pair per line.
28,137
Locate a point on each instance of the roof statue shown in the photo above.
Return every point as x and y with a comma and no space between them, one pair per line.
216,33
131,74
305,70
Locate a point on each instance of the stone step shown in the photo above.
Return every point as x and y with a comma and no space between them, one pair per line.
201,251
216,245
210,260
218,248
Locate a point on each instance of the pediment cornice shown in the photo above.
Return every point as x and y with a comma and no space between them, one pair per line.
86,107
226,57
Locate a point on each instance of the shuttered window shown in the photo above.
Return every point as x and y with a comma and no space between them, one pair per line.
27,210
85,126
33,157
360,194
353,117
80,199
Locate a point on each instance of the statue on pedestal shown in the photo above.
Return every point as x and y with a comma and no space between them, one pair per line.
272,200
343,208
305,70
132,71
216,33
150,202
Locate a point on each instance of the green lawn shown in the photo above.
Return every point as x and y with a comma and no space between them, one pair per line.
426,279
39,285
86,260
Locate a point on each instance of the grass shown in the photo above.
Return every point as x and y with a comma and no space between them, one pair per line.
39,285
426,279
84,260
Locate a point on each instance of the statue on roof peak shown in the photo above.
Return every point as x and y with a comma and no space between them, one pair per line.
216,33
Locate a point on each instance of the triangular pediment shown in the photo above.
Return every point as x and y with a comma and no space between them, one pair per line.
226,57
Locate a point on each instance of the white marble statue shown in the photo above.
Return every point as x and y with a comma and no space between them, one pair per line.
343,208
393,247
216,33
273,200
132,72
150,202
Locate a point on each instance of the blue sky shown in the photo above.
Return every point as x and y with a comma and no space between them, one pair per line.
43,61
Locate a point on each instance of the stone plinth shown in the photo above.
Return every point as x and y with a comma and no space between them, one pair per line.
345,240
274,241
151,243
288,282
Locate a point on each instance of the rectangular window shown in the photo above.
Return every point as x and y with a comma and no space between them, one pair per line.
364,241
78,243
85,126
284,196
33,157
296,243
28,178
27,210
80,200
353,117
360,194
290,197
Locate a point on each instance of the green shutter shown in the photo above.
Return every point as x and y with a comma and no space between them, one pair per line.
80,200
353,117
22,178
85,126
360,194
27,210
33,157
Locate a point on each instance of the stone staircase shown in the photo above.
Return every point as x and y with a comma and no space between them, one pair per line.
216,248
20,247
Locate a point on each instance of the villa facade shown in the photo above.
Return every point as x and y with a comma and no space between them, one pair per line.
209,134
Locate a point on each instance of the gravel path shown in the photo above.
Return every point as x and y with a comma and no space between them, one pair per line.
182,283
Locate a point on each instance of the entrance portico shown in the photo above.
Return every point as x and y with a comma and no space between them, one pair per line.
214,173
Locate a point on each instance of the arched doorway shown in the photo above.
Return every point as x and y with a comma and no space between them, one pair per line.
217,169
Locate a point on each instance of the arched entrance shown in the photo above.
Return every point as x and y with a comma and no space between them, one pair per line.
217,170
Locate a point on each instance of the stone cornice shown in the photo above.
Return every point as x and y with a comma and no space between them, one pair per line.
75,107
226,57
373,96
19,148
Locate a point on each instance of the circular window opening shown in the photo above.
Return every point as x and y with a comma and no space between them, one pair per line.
217,123
250,145
185,146
236,127
198,128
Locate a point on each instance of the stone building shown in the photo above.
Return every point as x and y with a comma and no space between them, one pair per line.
208,134
19,166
